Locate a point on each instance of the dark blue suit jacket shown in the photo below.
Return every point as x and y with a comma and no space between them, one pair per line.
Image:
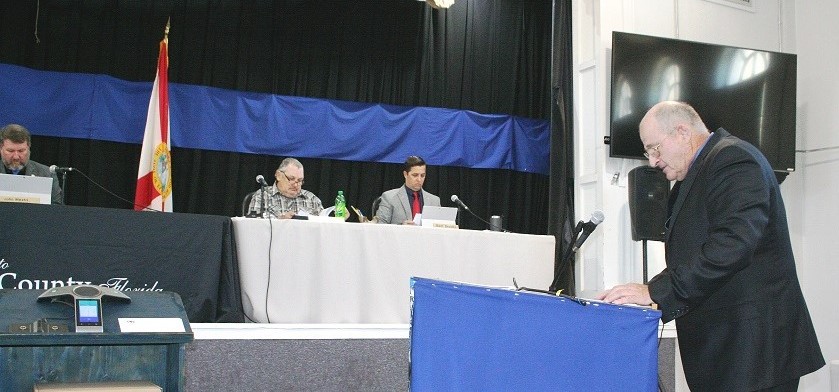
730,280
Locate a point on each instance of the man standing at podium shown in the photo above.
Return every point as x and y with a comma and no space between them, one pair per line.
15,143
730,281
400,205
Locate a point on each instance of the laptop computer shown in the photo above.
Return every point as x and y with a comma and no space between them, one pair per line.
25,189
434,216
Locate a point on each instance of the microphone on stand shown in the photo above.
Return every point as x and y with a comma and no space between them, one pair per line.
55,170
460,203
60,170
580,234
465,207
261,180
588,227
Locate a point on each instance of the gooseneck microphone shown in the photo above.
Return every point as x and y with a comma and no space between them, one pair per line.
261,180
60,170
460,203
465,207
588,227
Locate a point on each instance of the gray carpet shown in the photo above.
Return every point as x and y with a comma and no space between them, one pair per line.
320,365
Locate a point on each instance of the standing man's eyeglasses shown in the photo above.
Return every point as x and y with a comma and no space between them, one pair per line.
653,152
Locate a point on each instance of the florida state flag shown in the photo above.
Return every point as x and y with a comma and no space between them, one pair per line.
154,177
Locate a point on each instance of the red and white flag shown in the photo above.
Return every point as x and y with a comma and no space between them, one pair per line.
154,177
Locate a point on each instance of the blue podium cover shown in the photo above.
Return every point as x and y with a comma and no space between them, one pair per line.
476,338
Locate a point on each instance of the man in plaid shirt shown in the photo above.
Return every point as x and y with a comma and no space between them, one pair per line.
287,197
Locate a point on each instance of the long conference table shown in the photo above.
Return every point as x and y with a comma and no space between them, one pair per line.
308,272
259,270
46,246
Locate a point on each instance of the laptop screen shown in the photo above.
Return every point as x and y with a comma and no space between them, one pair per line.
25,189
439,213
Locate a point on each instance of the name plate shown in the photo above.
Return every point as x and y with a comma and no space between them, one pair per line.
446,224
22,198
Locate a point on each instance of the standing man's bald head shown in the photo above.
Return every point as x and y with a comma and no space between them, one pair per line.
672,132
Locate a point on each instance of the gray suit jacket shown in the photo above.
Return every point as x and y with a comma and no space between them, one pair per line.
33,168
395,207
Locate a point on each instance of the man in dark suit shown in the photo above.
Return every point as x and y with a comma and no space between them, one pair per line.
15,143
400,205
730,281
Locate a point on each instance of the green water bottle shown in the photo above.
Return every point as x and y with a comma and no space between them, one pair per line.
341,206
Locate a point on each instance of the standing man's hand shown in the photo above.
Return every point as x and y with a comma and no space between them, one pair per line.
630,293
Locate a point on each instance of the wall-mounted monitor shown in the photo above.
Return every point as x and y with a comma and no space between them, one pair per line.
751,93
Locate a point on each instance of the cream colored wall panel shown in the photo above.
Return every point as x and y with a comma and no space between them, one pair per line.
817,265
587,124
706,21
818,83
583,26
589,267
653,17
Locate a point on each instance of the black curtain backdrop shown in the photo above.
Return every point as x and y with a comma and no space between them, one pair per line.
561,207
490,56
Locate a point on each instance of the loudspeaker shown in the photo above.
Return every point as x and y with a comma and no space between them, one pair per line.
649,190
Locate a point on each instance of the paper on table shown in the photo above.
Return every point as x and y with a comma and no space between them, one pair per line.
151,324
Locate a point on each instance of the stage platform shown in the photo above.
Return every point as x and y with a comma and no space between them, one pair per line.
320,357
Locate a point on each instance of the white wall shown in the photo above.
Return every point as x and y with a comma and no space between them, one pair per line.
817,40
804,27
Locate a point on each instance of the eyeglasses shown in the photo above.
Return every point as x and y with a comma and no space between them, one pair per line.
292,180
653,152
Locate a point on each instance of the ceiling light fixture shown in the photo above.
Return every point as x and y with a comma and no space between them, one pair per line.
440,3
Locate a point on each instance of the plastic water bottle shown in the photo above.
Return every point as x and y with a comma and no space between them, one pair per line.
341,206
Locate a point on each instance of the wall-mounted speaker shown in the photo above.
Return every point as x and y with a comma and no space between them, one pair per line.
649,190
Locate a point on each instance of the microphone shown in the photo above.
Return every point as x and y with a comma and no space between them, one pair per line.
262,185
465,207
588,228
261,180
59,170
460,203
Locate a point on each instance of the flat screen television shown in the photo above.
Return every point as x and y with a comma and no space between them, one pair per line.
751,93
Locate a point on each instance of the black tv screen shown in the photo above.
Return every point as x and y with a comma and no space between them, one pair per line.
751,93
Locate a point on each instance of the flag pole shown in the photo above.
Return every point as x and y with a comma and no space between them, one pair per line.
154,174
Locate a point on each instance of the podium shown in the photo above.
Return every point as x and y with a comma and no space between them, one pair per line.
29,358
477,338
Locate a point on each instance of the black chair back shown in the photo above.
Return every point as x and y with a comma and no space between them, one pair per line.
246,202
375,207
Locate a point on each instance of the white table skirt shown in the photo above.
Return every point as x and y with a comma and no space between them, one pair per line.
336,272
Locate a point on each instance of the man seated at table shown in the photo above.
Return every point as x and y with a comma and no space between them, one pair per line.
15,143
287,197
400,205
